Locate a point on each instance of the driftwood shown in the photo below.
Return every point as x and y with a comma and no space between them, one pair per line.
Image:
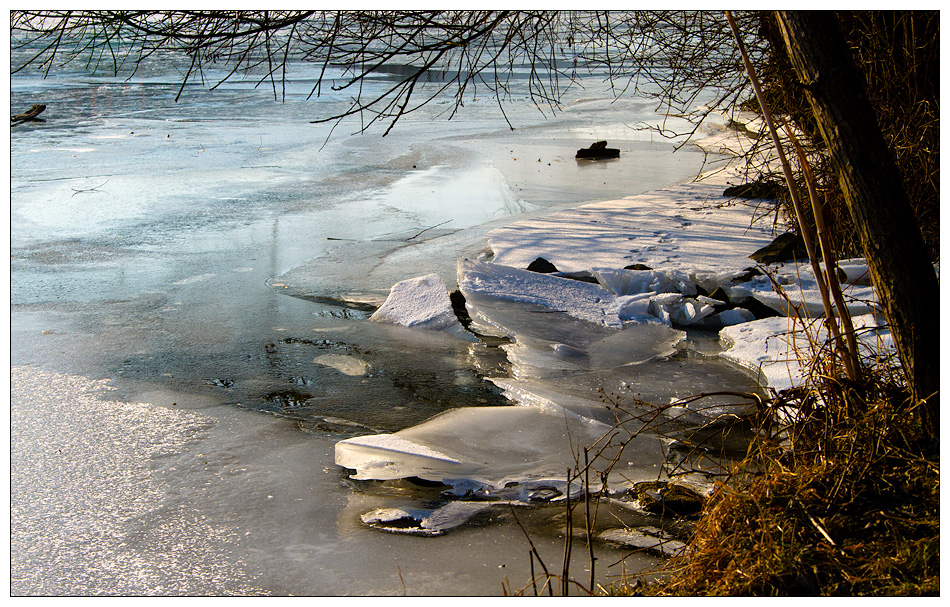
29,115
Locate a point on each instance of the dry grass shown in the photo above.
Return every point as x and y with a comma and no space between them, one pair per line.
846,503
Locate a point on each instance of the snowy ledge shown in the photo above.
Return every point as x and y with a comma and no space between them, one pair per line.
694,240
653,265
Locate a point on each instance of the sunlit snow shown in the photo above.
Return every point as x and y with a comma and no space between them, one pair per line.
596,313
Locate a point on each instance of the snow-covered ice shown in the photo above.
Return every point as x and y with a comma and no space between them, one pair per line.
631,273
799,289
687,227
422,303
774,348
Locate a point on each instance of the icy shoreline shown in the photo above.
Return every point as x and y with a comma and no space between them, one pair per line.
693,239
652,264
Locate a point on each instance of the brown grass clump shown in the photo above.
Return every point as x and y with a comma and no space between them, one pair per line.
846,503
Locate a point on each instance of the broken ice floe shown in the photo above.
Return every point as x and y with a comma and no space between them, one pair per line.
421,303
632,282
424,521
620,298
496,452
573,333
644,538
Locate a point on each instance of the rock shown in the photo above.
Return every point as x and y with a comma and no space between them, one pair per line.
786,247
757,189
458,306
661,497
758,309
597,151
747,275
637,266
542,266
720,295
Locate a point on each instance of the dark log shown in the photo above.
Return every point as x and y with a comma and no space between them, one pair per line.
29,115
597,154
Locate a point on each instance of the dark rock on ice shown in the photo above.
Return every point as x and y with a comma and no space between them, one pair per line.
753,305
786,247
721,295
637,266
458,306
747,275
597,151
542,266
582,276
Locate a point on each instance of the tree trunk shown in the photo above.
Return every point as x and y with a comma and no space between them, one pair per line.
898,260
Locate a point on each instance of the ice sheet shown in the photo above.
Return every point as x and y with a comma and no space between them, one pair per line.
684,227
774,348
492,451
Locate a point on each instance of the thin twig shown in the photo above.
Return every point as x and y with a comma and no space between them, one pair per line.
94,189
568,537
431,228
589,522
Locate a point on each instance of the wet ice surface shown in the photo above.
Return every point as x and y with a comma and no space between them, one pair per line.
155,244
114,497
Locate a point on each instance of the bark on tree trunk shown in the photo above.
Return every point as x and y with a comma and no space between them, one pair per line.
897,257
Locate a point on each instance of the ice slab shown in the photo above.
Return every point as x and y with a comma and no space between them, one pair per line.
344,363
486,281
421,303
774,348
644,538
513,452
417,302
424,521
800,289
613,398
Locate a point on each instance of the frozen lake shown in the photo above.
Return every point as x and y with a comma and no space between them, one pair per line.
189,288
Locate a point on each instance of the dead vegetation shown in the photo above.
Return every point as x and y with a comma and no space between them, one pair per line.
845,502
844,499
